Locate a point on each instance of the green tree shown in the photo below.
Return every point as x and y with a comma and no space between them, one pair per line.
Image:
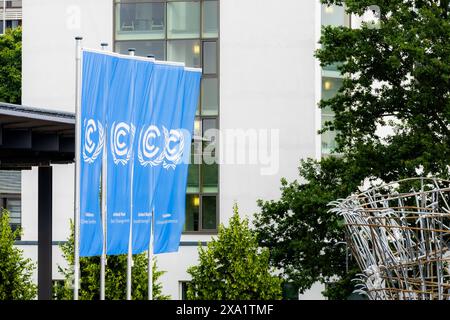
15,271
115,275
233,267
11,66
396,75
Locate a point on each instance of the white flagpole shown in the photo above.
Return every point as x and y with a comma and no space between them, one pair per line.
77,168
103,257
150,259
130,239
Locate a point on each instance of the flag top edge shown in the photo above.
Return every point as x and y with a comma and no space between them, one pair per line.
193,69
115,54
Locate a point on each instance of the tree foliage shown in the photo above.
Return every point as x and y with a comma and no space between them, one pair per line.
11,66
396,77
115,276
16,272
233,267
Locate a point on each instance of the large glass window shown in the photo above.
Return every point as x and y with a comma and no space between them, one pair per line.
187,51
140,21
209,57
10,196
334,16
210,96
183,20
210,19
182,31
331,16
143,48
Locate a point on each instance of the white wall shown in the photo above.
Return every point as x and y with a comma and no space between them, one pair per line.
267,81
48,59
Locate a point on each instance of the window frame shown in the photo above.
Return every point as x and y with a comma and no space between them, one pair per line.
201,40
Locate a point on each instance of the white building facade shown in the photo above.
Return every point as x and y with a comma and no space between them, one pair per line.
260,77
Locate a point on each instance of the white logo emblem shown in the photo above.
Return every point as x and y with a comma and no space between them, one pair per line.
94,138
148,153
174,147
152,152
121,146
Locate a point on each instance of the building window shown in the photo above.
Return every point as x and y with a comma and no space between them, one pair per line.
183,290
183,20
140,21
331,78
10,196
334,16
182,31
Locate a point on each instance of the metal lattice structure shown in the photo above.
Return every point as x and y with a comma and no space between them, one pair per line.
399,234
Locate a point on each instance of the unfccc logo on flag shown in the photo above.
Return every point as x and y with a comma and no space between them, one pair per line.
121,146
153,151
93,140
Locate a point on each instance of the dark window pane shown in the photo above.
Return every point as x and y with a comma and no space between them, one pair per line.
210,178
210,96
193,178
209,213
209,57
209,123
143,48
187,51
192,212
184,288
210,19
140,21
183,20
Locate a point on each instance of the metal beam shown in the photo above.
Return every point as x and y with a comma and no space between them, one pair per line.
16,139
45,142
45,233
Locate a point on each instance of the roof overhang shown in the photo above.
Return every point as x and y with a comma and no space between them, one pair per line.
35,137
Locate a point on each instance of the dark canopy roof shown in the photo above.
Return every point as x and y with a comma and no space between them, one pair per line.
32,137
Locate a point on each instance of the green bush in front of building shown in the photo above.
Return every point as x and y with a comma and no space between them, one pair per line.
233,267
15,270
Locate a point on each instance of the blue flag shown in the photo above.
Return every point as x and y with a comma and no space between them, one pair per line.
165,92
94,94
121,134
145,148
170,195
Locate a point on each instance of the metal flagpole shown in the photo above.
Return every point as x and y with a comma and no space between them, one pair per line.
77,168
103,257
150,259
150,248
130,239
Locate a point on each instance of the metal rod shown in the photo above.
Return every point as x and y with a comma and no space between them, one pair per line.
77,168
150,259
130,238
104,175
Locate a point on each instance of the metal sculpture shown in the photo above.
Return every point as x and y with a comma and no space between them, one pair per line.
399,234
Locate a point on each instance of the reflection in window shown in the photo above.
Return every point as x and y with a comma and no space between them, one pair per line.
210,19
192,212
210,96
187,51
140,21
334,16
209,57
183,20
143,48
328,138
209,213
